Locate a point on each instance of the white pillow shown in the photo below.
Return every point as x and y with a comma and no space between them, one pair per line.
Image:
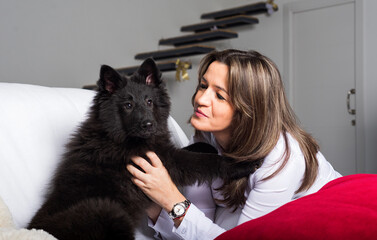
35,124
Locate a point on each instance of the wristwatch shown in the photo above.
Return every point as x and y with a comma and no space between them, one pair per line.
179,209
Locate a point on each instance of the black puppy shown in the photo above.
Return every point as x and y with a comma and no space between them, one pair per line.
91,195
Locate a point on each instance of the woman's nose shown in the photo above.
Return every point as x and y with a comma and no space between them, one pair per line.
204,97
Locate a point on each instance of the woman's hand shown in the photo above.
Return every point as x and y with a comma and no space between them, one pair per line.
155,182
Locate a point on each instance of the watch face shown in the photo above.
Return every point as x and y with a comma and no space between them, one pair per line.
179,209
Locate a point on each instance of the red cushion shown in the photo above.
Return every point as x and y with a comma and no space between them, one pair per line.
345,208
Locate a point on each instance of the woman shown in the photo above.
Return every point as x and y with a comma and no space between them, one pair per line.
240,108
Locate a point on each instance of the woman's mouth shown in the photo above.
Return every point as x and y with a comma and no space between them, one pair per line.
199,113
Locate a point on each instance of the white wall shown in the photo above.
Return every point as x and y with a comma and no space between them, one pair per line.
63,43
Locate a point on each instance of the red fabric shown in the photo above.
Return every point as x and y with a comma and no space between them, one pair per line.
345,208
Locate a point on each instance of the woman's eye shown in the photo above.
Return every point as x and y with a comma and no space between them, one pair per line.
219,96
202,86
128,105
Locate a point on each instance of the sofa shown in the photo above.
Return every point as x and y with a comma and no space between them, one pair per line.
36,123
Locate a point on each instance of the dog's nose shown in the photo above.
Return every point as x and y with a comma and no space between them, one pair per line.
147,125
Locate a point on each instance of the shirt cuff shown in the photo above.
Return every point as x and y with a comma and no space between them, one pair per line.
163,226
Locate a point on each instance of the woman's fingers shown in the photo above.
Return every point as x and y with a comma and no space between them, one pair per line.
155,160
136,173
139,183
140,178
145,165
141,162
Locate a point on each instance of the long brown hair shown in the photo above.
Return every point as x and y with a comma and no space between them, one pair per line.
262,113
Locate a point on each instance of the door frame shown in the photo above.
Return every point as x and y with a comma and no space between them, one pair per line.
294,7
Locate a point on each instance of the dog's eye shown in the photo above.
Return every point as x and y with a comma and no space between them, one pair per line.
128,105
149,102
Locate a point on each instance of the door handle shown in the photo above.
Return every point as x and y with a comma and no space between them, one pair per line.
350,111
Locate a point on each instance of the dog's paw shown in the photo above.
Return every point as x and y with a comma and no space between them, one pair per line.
201,147
237,170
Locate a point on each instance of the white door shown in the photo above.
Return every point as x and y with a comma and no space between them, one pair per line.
322,70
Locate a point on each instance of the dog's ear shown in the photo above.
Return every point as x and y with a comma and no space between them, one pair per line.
150,72
109,79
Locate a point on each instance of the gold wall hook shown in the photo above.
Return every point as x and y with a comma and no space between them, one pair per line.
181,70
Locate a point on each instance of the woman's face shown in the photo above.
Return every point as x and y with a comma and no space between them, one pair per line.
213,111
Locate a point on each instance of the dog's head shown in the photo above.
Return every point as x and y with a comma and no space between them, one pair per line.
135,106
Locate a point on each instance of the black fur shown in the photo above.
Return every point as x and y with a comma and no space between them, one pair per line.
91,195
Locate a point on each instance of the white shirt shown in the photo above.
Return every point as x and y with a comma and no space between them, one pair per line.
206,220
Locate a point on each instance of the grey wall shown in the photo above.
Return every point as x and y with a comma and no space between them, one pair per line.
63,43
370,85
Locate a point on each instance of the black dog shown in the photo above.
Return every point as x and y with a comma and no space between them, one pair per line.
91,195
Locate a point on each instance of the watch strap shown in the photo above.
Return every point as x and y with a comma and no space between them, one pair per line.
186,203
